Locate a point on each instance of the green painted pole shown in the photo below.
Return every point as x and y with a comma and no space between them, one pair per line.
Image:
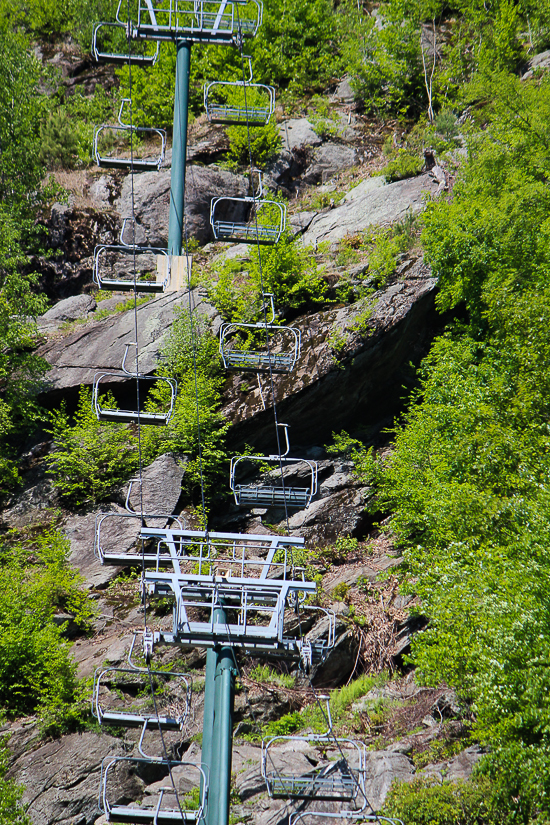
217,737
208,720
179,148
225,690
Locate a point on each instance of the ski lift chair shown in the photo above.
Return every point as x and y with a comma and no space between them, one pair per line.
129,268
120,699
164,807
105,413
325,818
108,548
279,353
336,781
199,21
106,133
102,54
256,112
265,223
276,493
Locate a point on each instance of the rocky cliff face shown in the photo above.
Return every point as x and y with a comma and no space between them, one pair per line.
355,360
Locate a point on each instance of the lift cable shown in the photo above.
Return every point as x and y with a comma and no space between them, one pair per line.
258,246
167,759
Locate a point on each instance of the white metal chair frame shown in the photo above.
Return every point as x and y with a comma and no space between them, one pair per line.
336,781
288,338
253,576
129,284
228,113
252,231
138,719
273,495
132,416
135,163
202,21
149,814
120,58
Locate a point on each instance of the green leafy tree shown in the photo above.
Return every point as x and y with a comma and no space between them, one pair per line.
467,483
20,174
90,458
35,583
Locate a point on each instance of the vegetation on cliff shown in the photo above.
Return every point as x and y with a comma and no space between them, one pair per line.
466,485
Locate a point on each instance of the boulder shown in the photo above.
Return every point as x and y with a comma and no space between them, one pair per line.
343,92
297,133
382,767
70,309
329,159
538,62
151,200
101,344
117,534
61,778
377,205
160,485
324,393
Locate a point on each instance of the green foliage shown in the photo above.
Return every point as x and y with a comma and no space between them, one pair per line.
366,464
12,810
190,345
254,147
58,142
152,89
426,801
322,117
406,164
285,269
36,582
90,457
467,483
263,673
20,172
297,46
314,716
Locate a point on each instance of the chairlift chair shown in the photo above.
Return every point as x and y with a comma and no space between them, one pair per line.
105,413
279,353
266,219
131,268
102,55
126,132
220,109
108,548
329,780
277,493
336,818
115,688
162,808
198,21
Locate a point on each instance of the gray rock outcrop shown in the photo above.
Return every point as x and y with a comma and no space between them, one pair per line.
100,345
377,205
297,133
70,309
151,200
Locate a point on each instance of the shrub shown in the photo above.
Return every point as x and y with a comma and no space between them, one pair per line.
35,665
254,147
430,802
90,457
59,144
406,164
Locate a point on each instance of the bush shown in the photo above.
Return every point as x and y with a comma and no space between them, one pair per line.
426,801
36,582
254,147
89,458
59,144
406,164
